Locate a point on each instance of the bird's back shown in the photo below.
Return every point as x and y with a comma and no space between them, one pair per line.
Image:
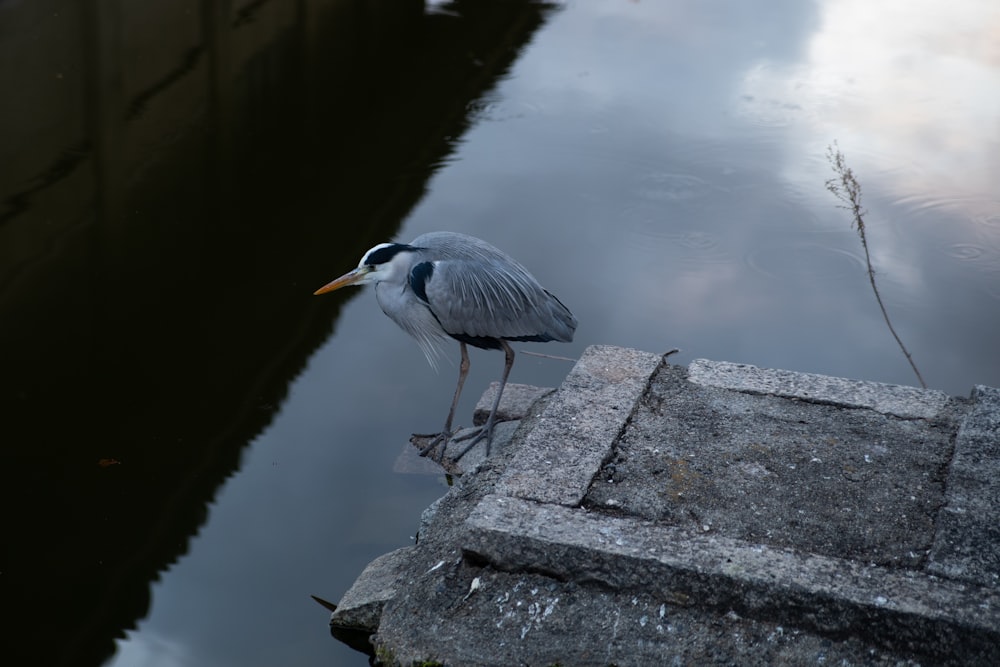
480,294
454,245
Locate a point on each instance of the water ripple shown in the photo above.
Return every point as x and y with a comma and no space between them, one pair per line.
672,186
698,240
795,259
966,251
988,218
980,210
649,229
982,260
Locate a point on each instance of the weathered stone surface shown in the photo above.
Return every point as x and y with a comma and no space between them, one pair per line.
895,609
890,399
575,433
850,483
967,543
765,518
525,618
361,606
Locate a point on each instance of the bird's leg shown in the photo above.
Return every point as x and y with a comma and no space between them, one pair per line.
463,370
445,434
487,429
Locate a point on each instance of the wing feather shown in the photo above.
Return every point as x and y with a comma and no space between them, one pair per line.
483,299
477,290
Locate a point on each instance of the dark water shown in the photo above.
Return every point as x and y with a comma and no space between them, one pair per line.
193,444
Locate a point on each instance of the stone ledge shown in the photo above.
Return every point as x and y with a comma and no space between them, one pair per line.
577,429
511,569
901,610
361,606
967,541
890,399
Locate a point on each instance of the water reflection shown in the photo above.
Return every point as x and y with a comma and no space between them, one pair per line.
675,135
173,174
918,78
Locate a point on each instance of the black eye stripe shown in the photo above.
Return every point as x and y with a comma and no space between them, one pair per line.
386,253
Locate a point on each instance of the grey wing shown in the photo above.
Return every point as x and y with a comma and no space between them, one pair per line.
491,298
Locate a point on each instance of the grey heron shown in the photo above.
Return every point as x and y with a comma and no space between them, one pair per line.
445,285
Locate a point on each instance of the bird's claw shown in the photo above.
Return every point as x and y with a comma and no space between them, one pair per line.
476,437
444,438
441,438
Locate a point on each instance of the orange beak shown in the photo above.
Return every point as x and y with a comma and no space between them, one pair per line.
353,278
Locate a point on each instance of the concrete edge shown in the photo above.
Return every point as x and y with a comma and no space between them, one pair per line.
967,536
890,399
576,431
515,403
361,606
900,610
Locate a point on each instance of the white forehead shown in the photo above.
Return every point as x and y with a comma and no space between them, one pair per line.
367,259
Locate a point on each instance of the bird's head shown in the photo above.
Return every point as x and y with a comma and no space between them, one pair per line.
384,262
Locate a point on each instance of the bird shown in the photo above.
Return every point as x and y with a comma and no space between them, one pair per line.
448,286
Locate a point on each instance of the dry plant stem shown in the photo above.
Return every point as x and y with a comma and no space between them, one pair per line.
847,189
546,356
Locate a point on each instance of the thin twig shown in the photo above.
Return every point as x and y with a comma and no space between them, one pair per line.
546,356
847,189
328,605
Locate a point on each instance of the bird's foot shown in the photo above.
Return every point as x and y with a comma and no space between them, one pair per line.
442,438
428,442
476,436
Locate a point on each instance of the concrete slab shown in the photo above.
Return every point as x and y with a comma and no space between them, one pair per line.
525,618
361,606
581,422
890,399
647,514
787,473
894,609
967,540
